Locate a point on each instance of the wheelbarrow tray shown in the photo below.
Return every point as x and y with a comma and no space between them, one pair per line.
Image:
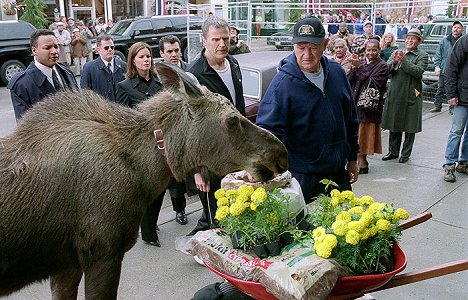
344,285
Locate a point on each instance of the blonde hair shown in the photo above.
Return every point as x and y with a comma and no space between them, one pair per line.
383,44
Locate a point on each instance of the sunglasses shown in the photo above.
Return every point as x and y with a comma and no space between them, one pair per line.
109,47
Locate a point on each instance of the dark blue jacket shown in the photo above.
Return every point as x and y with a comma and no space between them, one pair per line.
456,72
31,86
96,77
318,129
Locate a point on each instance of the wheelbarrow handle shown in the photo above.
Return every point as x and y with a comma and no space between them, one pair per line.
412,277
416,220
428,273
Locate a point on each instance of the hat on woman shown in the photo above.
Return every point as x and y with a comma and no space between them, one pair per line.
233,26
414,32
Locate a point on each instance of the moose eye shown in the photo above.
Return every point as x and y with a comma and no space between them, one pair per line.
232,122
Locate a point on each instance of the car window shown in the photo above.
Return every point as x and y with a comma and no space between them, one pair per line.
144,27
251,82
119,28
439,30
16,31
163,25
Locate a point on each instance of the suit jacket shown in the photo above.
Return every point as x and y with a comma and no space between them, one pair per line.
95,76
132,91
208,77
31,86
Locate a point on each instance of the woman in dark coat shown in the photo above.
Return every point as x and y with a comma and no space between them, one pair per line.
142,83
373,70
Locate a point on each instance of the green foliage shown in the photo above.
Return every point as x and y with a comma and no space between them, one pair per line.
294,12
263,224
34,13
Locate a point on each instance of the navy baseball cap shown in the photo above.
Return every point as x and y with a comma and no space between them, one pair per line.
309,30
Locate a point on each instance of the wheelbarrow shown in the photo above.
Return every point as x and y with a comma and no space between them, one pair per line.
351,287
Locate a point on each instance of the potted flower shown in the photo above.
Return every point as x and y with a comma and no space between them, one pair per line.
358,232
254,218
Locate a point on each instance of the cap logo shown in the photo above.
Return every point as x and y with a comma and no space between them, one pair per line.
306,30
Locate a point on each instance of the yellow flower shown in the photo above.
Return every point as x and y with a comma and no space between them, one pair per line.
318,232
347,196
219,194
401,214
345,216
356,226
330,240
237,208
230,193
323,250
246,189
222,201
335,193
367,200
335,201
242,197
352,237
222,213
340,227
253,206
366,218
356,210
355,201
383,225
259,195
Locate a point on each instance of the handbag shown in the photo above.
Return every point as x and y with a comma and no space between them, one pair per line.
369,98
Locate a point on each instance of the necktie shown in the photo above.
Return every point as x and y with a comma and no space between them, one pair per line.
55,80
109,67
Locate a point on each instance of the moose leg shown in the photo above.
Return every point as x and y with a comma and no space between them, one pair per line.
102,278
64,285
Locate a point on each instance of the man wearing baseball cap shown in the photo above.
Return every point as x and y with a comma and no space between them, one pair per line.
440,59
403,106
310,108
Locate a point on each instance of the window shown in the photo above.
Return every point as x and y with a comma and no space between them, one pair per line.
439,30
163,25
144,27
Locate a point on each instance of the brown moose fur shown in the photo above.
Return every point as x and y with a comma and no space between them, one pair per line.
78,173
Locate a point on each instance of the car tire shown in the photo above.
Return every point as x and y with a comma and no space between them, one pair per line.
120,55
10,68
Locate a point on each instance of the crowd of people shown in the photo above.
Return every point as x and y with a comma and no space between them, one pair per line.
74,38
356,85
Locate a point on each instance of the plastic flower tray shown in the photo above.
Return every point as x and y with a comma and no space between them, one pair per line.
344,285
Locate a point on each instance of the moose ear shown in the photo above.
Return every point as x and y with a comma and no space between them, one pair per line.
174,78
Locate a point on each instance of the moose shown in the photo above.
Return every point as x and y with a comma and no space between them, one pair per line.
78,173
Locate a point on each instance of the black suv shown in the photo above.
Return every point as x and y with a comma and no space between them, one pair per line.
15,51
150,30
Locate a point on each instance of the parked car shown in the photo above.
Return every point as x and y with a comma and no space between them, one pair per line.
150,30
258,69
281,40
433,33
15,50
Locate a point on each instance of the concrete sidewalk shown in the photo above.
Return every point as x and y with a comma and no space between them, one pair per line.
163,273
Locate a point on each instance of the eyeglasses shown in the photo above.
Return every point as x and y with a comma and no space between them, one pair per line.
109,47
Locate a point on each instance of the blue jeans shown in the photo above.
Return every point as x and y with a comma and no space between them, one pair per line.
453,152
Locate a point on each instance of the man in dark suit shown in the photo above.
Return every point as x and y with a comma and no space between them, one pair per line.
102,74
43,76
169,49
221,74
